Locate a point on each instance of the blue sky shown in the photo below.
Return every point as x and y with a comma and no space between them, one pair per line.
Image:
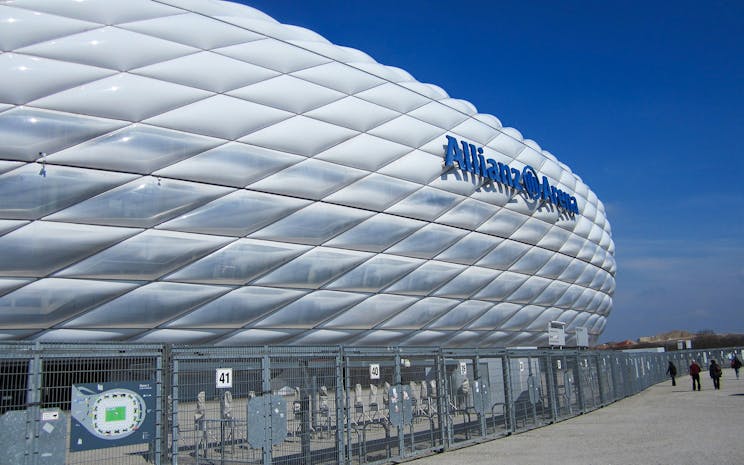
644,100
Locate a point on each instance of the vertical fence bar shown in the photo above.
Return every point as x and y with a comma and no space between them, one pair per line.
397,382
175,426
266,396
508,393
33,403
346,402
578,383
441,400
160,413
552,395
339,433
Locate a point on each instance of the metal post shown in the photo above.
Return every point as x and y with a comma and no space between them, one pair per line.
552,385
305,426
397,379
161,415
346,401
579,384
441,392
444,402
599,380
508,394
477,376
174,414
33,401
533,389
266,396
339,407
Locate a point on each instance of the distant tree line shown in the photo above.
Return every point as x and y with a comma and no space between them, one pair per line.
704,339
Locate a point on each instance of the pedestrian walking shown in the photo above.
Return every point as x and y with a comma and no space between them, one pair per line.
736,365
695,375
672,371
715,374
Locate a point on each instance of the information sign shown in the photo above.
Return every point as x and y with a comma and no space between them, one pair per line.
556,333
111,414
223,378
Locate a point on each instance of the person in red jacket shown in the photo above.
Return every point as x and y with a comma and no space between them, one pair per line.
695,374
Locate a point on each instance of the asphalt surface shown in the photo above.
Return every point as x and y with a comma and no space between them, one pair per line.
663,425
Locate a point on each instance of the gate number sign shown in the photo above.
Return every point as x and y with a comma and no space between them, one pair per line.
223,378
374,371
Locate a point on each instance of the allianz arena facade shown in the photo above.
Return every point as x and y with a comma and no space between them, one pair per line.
193,171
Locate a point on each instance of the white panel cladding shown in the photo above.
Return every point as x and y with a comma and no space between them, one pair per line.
308,206
354,113
122,96
343,78
207,71
32,74
102,11
394,97
137,148
109,47
288,93
274,54
231,164
317,136
27,133
220,116
23,27
180,28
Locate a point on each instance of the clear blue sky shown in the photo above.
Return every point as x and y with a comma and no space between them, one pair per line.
644,100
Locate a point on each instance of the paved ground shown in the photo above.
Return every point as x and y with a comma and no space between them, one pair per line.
664,425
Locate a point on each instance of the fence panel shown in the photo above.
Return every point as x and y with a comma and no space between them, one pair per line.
370,378
589,379
308,381
421,372
17,426
79,403
529,400
606,380
492,366
463,424
564,377
210,395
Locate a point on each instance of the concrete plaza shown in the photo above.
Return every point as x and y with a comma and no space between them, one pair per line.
663,425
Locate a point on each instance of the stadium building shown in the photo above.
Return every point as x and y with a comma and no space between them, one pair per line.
193,171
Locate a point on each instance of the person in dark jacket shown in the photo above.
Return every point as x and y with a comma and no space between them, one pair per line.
715,374
695,375
736,364
672,371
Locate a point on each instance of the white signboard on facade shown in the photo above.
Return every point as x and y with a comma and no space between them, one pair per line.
556,333
582,337
374,371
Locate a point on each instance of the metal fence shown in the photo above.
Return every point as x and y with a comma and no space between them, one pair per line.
139,404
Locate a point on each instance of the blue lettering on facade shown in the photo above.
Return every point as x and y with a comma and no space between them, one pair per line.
468,157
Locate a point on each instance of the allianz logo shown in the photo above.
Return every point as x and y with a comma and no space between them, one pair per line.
471,159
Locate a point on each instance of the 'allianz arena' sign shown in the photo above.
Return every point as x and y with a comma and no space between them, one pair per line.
470,158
